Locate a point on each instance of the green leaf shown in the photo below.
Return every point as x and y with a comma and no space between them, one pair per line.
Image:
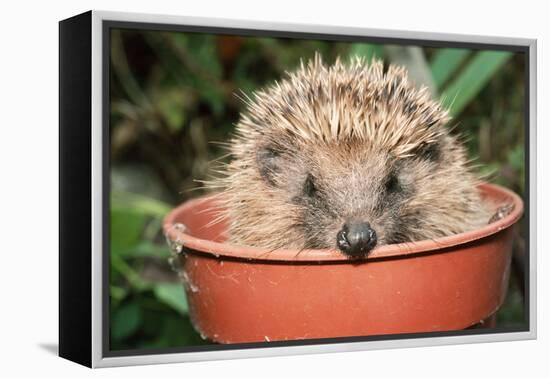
445,62
170,104
126,229
117,293
472,79
366,50
199,61
125,321
139,203
516,158
148,249
173,295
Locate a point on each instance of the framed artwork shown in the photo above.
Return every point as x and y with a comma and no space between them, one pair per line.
235,188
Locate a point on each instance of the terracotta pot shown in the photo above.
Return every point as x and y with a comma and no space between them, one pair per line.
243,294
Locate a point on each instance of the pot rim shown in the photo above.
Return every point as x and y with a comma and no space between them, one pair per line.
319,255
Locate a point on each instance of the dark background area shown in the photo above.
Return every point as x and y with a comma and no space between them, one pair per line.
173,95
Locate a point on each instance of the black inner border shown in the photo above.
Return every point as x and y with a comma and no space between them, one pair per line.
108,25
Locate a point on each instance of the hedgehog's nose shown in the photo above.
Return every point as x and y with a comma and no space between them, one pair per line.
356,239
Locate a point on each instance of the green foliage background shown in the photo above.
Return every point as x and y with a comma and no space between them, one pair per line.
173,93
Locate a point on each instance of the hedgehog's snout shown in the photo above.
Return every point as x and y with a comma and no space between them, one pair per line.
356,239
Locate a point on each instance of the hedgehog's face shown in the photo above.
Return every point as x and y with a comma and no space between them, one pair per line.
348,157
350,195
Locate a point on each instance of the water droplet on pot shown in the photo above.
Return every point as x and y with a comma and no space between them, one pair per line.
179,227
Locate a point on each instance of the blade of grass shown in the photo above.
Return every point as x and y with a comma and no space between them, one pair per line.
472,79
413,59
445,62
123,71
133,277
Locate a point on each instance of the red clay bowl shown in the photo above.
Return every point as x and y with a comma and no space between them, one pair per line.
242,294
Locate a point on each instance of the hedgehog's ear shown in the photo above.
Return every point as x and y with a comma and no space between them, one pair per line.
268,160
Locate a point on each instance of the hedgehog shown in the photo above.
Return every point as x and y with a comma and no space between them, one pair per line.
348,157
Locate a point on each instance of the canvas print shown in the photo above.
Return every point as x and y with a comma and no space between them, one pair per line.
280,189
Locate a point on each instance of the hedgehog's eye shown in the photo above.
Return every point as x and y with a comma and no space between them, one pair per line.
392,183
428,151
309,186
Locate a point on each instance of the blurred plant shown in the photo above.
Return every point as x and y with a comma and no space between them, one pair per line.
147,303
173,93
